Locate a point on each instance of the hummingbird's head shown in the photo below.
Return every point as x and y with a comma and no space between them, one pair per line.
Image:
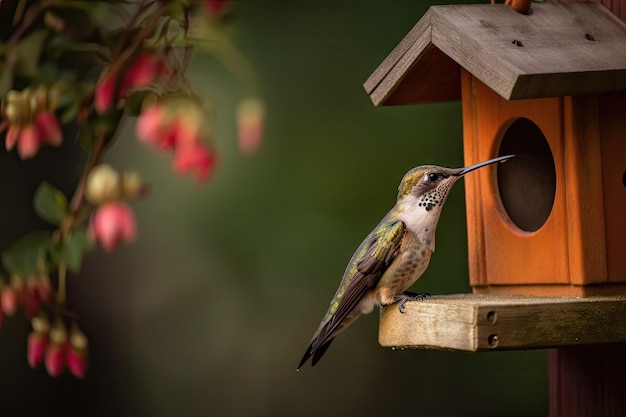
424,189
430,184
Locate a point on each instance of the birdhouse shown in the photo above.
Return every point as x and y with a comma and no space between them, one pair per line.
548,87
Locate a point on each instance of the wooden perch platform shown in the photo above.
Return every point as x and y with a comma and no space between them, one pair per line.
478,322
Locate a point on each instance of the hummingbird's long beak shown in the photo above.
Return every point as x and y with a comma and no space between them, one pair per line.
463,171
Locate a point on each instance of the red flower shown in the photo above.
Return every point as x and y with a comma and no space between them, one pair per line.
44,130
113,224
56,351
8,300
55,358
178,127
196,158
36,347
143,72
152,128
77,352
76,362
250,114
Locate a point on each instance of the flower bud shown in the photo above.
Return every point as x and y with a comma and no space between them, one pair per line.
40,324
103,184
30,300
36,347
55,358
8,300
132,185
250,115
48,128
113,224
77,353
56,351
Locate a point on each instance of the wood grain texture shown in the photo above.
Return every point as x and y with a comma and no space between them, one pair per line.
473,322
553,290
560,49
499,252
612,113
588,381
585,231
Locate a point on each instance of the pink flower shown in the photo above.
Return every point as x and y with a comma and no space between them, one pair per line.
143,72
77,362
152,129
113,224
56,354
44,130
36,347
250,114
103,94
196,158
77,352
30,301
178,127
8,300
167,128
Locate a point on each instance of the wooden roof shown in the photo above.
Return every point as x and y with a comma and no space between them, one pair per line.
560,49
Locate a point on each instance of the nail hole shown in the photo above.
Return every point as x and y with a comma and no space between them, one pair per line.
589,37
624,179
493,340
491,317
517,43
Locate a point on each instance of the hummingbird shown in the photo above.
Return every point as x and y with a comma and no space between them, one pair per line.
393,256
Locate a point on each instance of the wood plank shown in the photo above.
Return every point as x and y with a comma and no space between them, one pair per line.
473,322
417,32
612,127
551,290
505,248
585,203
560,49
588,381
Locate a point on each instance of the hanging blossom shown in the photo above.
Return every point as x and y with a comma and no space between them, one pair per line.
113,221
146,69
31,122
179,127
250,116
56,347
146,60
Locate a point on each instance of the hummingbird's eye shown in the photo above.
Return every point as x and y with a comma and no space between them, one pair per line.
432,176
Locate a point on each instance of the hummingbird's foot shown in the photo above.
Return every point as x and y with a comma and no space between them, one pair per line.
408,296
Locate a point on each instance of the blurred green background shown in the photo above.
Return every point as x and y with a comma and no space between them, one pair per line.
209,312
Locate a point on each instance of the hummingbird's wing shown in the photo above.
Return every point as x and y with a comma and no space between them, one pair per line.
367,265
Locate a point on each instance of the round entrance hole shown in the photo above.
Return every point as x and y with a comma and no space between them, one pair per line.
526,183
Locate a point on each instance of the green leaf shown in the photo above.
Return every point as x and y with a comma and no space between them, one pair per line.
29,254
50,203
72,252
134,102
6,80
28,52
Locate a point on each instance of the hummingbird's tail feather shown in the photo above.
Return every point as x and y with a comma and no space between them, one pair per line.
317,355
307,354
316,352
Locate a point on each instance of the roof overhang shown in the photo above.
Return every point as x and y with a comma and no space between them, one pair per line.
559,49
